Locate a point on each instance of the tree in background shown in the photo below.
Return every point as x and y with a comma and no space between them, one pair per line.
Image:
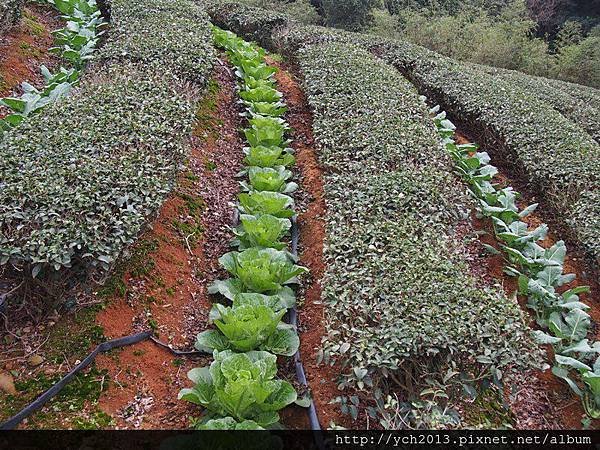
551,15
348,14
502,33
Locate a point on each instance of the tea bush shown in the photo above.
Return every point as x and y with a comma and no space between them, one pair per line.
171,35
347,14
395,283
10,13
79,181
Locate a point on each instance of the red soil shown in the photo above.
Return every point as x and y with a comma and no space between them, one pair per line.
145,379
540,399
25,48
311,221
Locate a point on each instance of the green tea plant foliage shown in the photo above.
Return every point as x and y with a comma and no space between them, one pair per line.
238,389
562,318
75,43
79,182
156,33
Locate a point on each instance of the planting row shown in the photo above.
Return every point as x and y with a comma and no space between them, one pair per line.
239,389
171,37
396,288
579,104
109,152
559,160
75,43
551,151
561,316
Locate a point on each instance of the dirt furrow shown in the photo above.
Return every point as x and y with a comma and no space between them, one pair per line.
25,47
166,287
310,201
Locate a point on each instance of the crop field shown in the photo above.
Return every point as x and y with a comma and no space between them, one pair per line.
216,217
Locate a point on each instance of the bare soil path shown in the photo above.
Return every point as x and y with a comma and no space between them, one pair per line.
166,289
25,48
311,206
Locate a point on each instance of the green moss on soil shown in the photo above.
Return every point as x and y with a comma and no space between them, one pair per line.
33,25
488,411
206,122
139,264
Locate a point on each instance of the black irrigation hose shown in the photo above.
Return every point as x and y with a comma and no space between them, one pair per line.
42,399
312,410
178,352
101,348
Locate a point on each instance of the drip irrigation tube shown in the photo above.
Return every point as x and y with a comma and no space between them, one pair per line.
42,399
101,348
139,337
312,410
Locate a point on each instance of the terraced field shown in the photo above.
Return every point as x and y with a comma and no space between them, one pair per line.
322,229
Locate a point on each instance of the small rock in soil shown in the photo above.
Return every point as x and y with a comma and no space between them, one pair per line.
35,360
7,384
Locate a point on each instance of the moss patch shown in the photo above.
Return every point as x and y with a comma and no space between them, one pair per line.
33,25
138,264
206,123
489,412
80,395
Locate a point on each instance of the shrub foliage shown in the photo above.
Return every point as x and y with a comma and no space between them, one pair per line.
79,181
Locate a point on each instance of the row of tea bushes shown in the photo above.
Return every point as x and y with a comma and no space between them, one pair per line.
579,104
80,181
396,287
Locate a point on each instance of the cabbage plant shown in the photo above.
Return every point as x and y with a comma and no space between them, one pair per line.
269,109
242,386
261,270
270,133
563,318
264,202
269,179
255,69
275,302
249,327
261,94
273,156
261,231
